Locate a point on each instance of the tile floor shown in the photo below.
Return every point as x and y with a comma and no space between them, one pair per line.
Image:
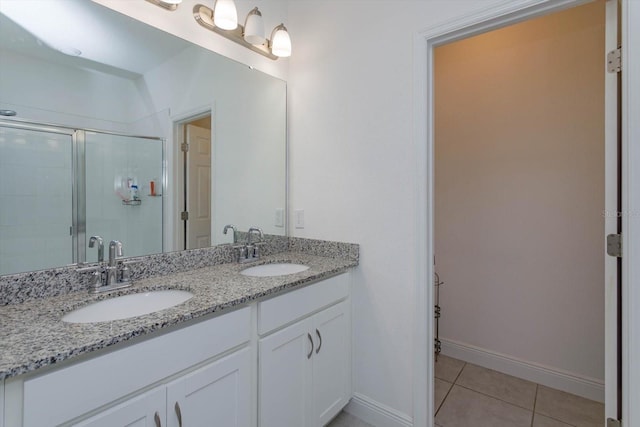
347,420
467,395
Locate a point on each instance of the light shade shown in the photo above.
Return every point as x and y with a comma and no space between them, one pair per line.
172,1
280,41
225,15
254,27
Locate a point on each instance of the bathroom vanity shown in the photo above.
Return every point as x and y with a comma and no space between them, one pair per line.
244,351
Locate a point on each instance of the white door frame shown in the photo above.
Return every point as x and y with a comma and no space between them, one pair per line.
499,15
173,187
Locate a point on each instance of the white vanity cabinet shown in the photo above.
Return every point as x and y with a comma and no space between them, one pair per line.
304,369
281,362
145,410
216,394
194,366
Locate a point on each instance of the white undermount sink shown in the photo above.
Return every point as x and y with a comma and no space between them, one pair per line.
126,306
274,269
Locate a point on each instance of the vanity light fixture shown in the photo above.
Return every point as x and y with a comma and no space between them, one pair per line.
251,35
280,41
166,4
254,27
225,15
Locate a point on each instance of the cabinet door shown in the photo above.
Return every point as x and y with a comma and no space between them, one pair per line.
331,362
217,394
145,410
284,383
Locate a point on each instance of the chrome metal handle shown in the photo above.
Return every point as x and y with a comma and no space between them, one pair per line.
178,414
90,269
320,338
311,341
156,418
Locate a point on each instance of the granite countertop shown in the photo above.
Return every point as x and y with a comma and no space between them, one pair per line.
32,334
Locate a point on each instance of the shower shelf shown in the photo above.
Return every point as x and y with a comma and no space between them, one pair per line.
154,195
132,202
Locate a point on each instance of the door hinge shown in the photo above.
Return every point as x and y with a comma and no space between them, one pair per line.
613,423
614,245
184,147
184,216
614,61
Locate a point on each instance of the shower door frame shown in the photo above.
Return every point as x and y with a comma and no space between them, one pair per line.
79,177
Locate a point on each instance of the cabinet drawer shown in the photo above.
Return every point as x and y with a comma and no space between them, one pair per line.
287,308
98,381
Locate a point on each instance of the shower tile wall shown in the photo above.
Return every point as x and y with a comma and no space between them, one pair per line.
35,200
111,161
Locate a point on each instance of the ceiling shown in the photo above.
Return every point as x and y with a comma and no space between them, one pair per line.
107,40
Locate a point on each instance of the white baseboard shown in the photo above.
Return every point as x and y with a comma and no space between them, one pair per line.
375,413
589,388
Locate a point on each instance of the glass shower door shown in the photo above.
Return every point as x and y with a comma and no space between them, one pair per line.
120,203
36,198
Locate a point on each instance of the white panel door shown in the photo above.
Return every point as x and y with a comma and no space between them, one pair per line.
330,363
285,371
146,410
199,187
217,394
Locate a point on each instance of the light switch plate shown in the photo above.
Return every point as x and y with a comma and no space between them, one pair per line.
299,215
279,218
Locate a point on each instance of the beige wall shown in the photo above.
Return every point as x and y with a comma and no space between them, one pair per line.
520,190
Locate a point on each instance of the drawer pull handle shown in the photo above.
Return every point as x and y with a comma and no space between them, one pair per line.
178,414
311,341
320,338
156,418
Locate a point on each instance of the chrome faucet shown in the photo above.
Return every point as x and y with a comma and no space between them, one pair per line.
92,243
115,274
115,252
254,230
235,232
251,251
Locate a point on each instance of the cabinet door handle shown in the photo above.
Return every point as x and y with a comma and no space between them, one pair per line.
311,341
178,414
320,338
156,418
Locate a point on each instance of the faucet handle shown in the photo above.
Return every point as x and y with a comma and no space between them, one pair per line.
89,269
95,281
256,248
242,251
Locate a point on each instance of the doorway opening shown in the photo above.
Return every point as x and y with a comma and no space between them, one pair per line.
481,23
193,181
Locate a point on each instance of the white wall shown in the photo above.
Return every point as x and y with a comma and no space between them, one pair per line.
248,127
353,168
49,92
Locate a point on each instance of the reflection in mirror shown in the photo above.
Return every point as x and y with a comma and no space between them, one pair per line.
35,199
119,172
124,78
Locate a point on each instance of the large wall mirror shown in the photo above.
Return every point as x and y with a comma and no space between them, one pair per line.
104,107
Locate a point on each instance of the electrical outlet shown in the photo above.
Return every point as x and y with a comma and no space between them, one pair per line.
279,221
299,214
